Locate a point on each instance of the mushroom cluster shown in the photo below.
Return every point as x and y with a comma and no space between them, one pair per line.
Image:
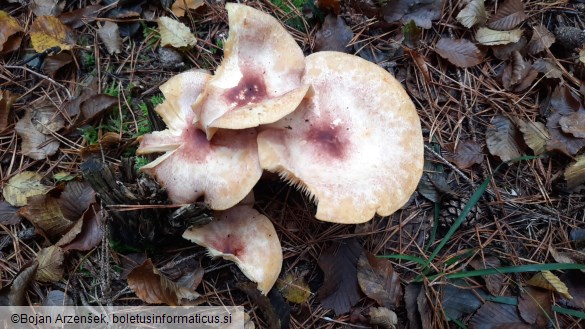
338,127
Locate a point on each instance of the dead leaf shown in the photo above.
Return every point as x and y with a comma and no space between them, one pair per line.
472,14
501,138
180,7
57,298
47,32
497,316
575,173
9,33
151,286
331,5
561,141
294,288
334,35
574,123
541,39
491,37
91,233
47,7
412,35
8,214
47,119
43,212
379,281
411,293
79,17
422,12
460,52
14,294
50,264
340,291
504,52
567,257
548,67
458,299
563,101
175,33
76,199
534,306
264,304
52,64
466,154
509,15
6,100
425,309
383,317
547,280
23,185
495,282
575,282
95,105
110,36
535,135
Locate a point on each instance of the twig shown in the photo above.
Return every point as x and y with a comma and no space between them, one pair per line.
41,76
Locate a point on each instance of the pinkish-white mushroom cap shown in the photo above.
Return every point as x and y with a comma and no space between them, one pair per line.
259,80
355,145
222,171
246,237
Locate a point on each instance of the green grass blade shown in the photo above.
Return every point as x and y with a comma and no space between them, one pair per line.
574,313
511,269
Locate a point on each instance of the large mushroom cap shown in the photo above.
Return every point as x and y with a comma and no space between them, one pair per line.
355,145
259,80
223,170
246,237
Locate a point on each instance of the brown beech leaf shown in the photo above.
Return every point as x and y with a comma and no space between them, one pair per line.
333,35
466,154
53,63
493,283
497,316
563,101
509,15
421,12
35,144
575,173
340,291
561,141
547,280
48,32
383,317
575,281
76,199
79,17
332,5
57,298
460,52
23,185
379,281
534,306
294,288
14,294
518,74
548,67
574,123
47,7
535,135
8,214
47,119
50,264
43,212
501,138
91,233
491,37
110,36
473,14
180,7
541,39
6,100
9,33
459,299
151,286
411,293
95,105
568,256
504,52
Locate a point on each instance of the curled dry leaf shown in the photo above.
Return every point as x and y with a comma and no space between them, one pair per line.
334,35
294,288
47,7
547,280
518,74
47,32
153,287
79,17
14,294
6,100
8,214
493,283
175,33
472,14
535,135
9,33
460,52
44,212
47,119
180,7
76,199
574,124
383,317
548,67
421,12
466,154
575,173
50,264
561,141
497,316
91,231
575,281
509,15
35,144
541,39
110,36
534,306
501,138
504,52
491,37
378,280
22,186
52,64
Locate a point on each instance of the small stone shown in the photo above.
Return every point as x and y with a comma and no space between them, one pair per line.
170,58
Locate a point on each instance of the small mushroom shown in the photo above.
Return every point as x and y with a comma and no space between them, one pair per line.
223,170
259,80
246,237
355,145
